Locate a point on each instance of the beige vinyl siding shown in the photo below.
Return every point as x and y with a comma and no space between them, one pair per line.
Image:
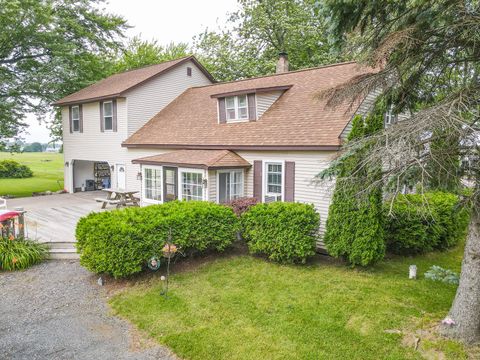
212,185
265,100
307,165
148,99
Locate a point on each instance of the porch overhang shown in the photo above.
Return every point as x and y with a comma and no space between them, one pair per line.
199,159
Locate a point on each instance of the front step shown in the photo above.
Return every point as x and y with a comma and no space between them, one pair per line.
64,254
62,250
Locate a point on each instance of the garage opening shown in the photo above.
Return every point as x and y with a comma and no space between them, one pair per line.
91,175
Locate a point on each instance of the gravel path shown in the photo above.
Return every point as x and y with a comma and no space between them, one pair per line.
56,311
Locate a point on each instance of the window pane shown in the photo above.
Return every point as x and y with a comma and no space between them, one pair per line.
274,182
242,101
231,114
107,109
75,112
230,102
153,185
76,125
108,123
222,187
243,113
192,188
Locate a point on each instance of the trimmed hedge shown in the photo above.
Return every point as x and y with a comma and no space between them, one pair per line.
10,169
424,222
120,242
285,232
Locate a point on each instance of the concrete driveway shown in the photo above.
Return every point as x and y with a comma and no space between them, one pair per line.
56,310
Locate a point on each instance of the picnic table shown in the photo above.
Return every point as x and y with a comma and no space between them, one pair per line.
119,197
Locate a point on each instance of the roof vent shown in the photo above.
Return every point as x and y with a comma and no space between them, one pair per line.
282,63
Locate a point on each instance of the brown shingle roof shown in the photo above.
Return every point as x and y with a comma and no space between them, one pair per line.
117,84
297,120
207,159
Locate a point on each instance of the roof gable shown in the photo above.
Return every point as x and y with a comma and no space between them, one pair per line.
116,85
298,119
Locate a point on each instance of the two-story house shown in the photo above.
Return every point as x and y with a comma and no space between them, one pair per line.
97,119
171,133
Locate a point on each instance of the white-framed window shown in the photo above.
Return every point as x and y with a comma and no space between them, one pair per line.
76,118
191,184
152,184
273,181
230,185
108,115
390,117
236,108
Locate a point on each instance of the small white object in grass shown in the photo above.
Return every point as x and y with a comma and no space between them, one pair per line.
412,272
448,321
100,281
162,278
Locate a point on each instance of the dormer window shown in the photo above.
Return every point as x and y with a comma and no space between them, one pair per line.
390,117
236,107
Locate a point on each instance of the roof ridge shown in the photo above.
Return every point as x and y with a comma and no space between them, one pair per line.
151,65
272,75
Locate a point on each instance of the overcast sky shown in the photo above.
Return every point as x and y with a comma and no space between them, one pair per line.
162,20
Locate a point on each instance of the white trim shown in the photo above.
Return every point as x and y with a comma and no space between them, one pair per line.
191,170
256,108
144,198
217,175
235,100
103,112
264,177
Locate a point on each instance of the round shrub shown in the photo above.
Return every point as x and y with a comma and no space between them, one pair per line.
285,232
120,242
420,223
13,170
18,254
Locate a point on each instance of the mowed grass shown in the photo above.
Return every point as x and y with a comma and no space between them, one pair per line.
47,174
248,308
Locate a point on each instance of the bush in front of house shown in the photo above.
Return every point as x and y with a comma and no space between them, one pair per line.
19,254
285,232
10,169
120,242
419,223
242,205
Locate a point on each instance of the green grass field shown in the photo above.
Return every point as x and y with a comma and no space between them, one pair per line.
247,308
47,174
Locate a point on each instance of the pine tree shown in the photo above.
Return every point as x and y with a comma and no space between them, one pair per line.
355,221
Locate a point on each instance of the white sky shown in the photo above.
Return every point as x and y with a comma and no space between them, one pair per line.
162,20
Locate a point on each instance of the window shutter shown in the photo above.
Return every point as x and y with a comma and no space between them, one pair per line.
102,124
70,121
80,112
289,181
257,179
252,107
222,114
114,120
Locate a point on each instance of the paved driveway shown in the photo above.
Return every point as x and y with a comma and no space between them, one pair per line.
57,311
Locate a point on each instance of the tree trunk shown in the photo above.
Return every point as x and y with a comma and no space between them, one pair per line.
465,310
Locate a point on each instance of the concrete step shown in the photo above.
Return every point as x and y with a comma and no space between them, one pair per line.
60,245
67,253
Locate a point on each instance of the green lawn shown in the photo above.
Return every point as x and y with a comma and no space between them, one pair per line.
248,308
47,174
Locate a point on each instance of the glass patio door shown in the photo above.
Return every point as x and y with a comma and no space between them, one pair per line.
170,183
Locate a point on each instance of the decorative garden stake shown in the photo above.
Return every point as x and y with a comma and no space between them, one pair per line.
169,251
412,272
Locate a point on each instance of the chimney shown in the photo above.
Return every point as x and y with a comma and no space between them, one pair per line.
282,63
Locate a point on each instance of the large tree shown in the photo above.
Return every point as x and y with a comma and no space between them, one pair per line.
427,57
50,48
249,43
